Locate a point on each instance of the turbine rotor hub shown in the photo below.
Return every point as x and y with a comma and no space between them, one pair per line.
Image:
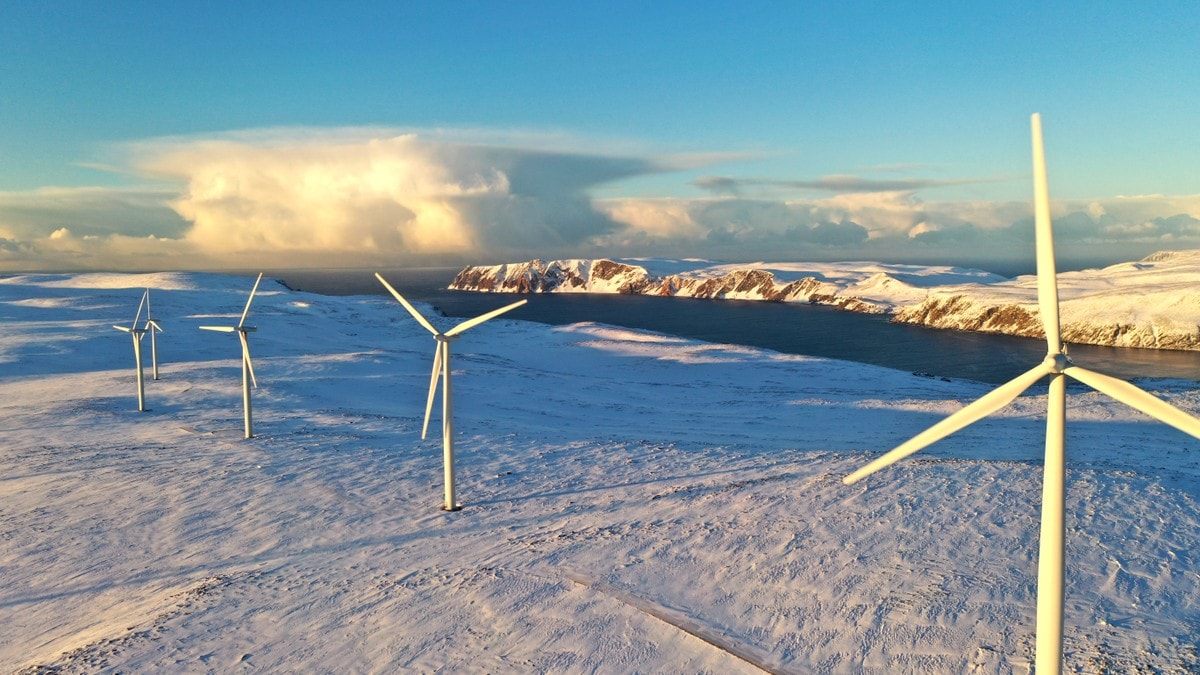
1057,363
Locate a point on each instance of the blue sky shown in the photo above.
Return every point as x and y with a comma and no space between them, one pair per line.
140,135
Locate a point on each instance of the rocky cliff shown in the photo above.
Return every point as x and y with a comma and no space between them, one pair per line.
610,276
1151,303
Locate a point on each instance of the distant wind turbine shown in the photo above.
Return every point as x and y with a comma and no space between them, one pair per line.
152,327
247,367
1048,655
441,371
138,334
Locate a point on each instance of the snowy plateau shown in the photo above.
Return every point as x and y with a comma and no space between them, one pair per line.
633,502
1151,303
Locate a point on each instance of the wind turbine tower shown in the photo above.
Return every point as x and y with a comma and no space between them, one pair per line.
441,371
138,334
1058,366
248,378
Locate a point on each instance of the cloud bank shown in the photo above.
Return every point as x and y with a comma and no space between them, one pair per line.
364,197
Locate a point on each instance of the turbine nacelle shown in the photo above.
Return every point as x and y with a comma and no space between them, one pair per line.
1057,363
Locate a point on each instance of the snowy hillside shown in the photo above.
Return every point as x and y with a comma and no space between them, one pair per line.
633,502
1152,303
858,286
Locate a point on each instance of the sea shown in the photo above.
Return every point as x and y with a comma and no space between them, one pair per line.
792,328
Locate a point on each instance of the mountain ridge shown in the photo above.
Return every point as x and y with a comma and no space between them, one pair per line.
1151,303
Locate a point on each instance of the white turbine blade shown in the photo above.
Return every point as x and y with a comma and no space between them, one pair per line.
1044,238
137,317
433,381
246,357
250,300
471,323
150,323
122,328
222,329
980,408
1138,398
411,310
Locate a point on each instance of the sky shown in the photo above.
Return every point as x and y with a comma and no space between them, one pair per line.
143,136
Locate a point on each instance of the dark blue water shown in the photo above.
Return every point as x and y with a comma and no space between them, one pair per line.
785,327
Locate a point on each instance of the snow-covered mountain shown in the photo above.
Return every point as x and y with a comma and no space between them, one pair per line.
1154,303
1151,303
857,286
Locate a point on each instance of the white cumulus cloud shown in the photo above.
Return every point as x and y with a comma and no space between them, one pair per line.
366,196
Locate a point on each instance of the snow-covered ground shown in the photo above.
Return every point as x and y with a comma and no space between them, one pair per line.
633,502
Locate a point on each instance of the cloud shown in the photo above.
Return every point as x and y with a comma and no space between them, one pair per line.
840,184
90,228
898,226
400,195
367,196
91,211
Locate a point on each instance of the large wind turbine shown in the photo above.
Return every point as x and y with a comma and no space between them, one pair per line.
152,327
138,334
441,371
247,367
1048,655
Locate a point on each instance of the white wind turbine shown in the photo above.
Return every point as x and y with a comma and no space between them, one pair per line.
441,370
247,367
138,334
151,327
1048,655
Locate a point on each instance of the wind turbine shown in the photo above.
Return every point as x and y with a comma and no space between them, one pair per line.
138,334
151,327
1048,654
247,367
441,370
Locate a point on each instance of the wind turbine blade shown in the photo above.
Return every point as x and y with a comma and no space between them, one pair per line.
246,357
221,329
137,317
471,323
122,328
1135,397
250,300
411,309
1044,238
980,408
408,306
151,323
433,381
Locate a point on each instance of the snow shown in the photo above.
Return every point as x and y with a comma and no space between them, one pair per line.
633,502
